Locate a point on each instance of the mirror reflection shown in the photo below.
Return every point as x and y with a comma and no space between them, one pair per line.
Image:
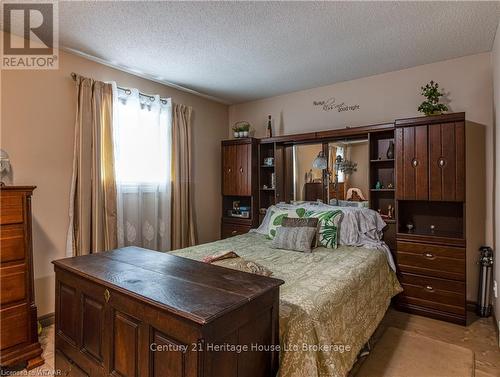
343,164
348,173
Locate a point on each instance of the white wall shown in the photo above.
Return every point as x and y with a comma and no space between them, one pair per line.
385,97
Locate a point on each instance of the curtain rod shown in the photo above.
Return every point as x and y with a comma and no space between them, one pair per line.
128,91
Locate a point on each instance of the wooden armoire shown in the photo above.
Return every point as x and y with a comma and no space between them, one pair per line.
430,200
19,335
239,184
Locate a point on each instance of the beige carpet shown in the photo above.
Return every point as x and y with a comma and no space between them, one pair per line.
406,354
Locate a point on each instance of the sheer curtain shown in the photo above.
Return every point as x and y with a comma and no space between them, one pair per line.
142,136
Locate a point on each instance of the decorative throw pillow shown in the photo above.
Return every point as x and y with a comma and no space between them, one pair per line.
277,217
294,238
328,226
309,222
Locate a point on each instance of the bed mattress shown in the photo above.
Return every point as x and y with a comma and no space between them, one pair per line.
331,302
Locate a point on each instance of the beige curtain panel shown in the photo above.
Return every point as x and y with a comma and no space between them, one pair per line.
93,217
183,229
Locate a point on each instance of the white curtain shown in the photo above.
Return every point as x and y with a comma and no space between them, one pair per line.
142,136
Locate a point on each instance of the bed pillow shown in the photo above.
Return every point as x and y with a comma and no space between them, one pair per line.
297,238
328,227
277,216
308,222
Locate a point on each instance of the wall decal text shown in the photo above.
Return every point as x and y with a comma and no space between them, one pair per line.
330,104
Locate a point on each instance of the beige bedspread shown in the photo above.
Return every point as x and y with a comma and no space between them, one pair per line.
330,304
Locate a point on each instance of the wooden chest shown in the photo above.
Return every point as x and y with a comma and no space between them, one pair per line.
136,312
19,336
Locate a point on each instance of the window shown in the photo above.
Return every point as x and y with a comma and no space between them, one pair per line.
142,139
142,127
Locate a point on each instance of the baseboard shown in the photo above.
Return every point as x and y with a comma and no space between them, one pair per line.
471,306
47,319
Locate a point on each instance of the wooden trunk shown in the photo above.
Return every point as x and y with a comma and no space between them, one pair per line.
135,312
19,336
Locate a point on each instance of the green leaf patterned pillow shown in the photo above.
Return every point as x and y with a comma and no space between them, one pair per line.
277,217
328,227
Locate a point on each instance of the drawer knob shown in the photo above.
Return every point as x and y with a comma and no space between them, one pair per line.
429,255
414,162
429,288
241,169
107,295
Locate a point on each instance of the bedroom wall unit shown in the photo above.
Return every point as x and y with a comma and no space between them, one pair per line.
239,185
382,171
134,327
18,313
431,245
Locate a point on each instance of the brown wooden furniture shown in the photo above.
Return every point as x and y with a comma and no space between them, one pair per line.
382,170
239,183
431,258
19,336
135,312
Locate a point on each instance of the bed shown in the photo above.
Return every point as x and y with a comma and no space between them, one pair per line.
331,302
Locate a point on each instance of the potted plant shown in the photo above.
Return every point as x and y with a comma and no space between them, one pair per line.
241,129
236,130
432,106
245,128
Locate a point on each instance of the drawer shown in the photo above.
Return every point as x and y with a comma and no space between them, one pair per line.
231,229
12,247
14,326
13,284
11,208
438,294
431,260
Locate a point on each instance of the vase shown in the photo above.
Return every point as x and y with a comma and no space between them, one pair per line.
236,134
390,150
245,133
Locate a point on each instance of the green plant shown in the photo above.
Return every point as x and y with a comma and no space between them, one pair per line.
245,127
432,106
241,126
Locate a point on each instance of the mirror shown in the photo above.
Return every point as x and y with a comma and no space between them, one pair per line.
345,161
348,165
307,176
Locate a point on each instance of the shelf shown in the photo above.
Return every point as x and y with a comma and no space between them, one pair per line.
383,160
267,189
389,221
382,190
267,166
447,238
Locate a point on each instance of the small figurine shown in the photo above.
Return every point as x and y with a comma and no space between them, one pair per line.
390,212
378,185
390,186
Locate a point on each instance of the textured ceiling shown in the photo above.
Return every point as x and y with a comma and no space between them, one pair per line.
241,51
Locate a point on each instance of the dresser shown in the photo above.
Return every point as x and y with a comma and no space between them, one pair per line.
430,193
19,337
135,312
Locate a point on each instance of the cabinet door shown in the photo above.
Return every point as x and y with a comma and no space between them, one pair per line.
447,162
228,169
243,171
412,181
